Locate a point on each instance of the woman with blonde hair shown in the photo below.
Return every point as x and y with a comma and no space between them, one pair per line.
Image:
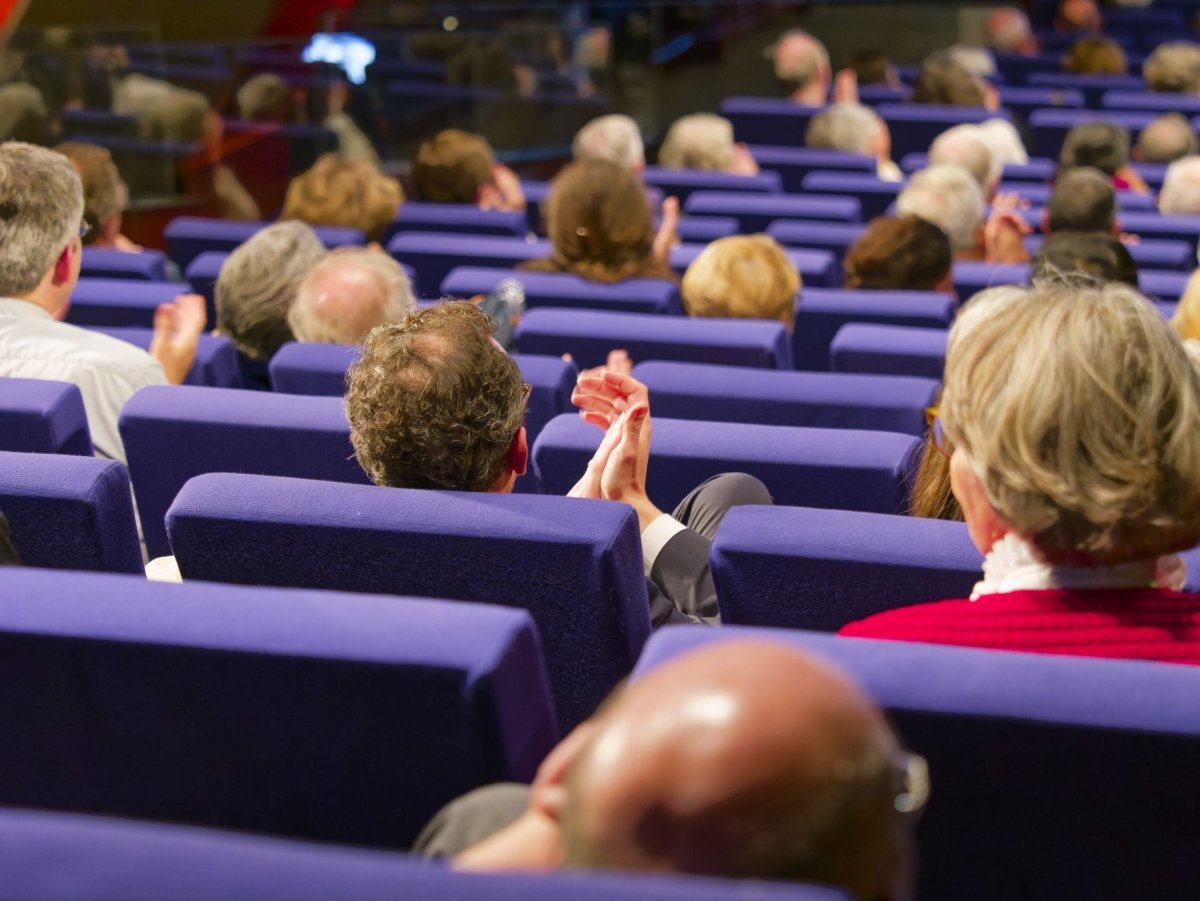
600,228
337,191
1071,419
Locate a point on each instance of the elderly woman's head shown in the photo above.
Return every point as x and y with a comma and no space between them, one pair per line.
1074,413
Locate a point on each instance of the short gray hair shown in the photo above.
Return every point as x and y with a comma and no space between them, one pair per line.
386,297
700,141
1166,139
41,208
258,284
848,127
1180,193
963,146
614,138
1173,67
948,197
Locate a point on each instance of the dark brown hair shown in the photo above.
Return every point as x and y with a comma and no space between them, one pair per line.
906,253
451,167
1095,55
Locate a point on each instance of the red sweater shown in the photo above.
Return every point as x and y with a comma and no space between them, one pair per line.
1136,623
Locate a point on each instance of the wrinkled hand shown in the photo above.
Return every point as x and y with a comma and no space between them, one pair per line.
1009,202
178,325
603,396
668,231
624,476
1004,237
618,361
845,87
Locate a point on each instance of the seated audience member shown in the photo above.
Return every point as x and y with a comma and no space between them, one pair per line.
1008,31
801,781
944,80
348,293
338,191
1186,320
976,60
1173,68
906,253
41,230
1071,415
854,128
1105,147
105,195
1083,200
458,167
255,290
875,67
1004,142
950,198
1078,16
268,98
1180,194
23,113
1097,255
964,146
742,277
1095,55
1165,140
704,141
600,229
614,138
802,68
434,402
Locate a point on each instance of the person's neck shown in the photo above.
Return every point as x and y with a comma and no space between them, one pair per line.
40,297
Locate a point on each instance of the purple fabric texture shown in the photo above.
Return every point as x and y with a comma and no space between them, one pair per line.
972,277
189,236
433,255
1041,746
559,289
702,229
119,301
1156,226
1039,195
173,433
71,857
847,469
755,212
873,193
889,350
43,417
835,237
793,163
805,568
588,336
915,125
818,268
682,183
216,364
1024,100
456,217
1166,287
1094,87
147,265
1150,100
820,314
814,399
1050,126
70,512
202,273
318,715
768,120
575,565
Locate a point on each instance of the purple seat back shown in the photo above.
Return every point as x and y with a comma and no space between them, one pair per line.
873,193
333,717
834,237
433,256
819,268
815,399
1093,87
702,229
768,120
1156,226
119,301
105,859
972,277
560,289
754,212
1050,126
819,315
1152,101
793,163
889,350
802,568
456,217
70,512
846,469
1021,733
1166,287
1148,254
575,565
589,335
1023,101
43,417
216,364
682,183
174,433
188,236
147,265
915,125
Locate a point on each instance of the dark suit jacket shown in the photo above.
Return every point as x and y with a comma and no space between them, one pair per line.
680,585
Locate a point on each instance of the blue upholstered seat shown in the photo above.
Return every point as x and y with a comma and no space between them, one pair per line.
43,417
216,364
119,301
889,350
147,265
188,236
560,289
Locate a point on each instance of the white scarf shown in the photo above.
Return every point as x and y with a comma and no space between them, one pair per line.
1014,565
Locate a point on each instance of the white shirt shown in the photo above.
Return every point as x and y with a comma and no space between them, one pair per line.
34,345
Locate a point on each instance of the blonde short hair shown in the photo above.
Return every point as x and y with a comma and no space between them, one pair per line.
1186,320
338,191
1174,68
742,277
1080,411
700,141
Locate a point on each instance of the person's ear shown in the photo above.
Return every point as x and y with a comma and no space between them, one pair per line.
984,524
62,266
518,452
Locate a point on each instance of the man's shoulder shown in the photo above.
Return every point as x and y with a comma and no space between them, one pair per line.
85,347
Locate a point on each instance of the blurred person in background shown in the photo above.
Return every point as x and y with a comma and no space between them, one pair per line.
1180,194
1095,55
854,128
950,198
905,253
1166,139
456,166
742,277
347,193
614,138
1102,146
705,141
348,293
1009,31
1173,68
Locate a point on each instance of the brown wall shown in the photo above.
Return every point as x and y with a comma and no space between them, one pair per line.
198,20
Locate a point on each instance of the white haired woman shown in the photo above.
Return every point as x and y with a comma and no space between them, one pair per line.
1071,415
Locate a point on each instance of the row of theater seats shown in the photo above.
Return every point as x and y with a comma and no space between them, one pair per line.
391,706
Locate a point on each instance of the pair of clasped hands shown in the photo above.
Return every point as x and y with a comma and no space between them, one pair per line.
612,399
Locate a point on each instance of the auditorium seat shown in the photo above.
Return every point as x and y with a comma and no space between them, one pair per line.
819,268
433,255
1039,194
106,858
575,565
820,314
682,183
120,301
1024,100
332,717
1148,254
915,125
43,417
1166,287
1094,87
768,120
873,193
560,289
1153,101
814,399
188,236
589,335
147,265
69,512
889,350
1155,226
793,163
754,212
1050,126
847,469
703,229
971,277
456,218
216,364
804,568
173,433
1038,747
835,237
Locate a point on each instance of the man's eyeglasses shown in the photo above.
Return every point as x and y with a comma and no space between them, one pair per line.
933,419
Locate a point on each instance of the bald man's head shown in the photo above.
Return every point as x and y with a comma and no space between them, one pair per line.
742,759
349,293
